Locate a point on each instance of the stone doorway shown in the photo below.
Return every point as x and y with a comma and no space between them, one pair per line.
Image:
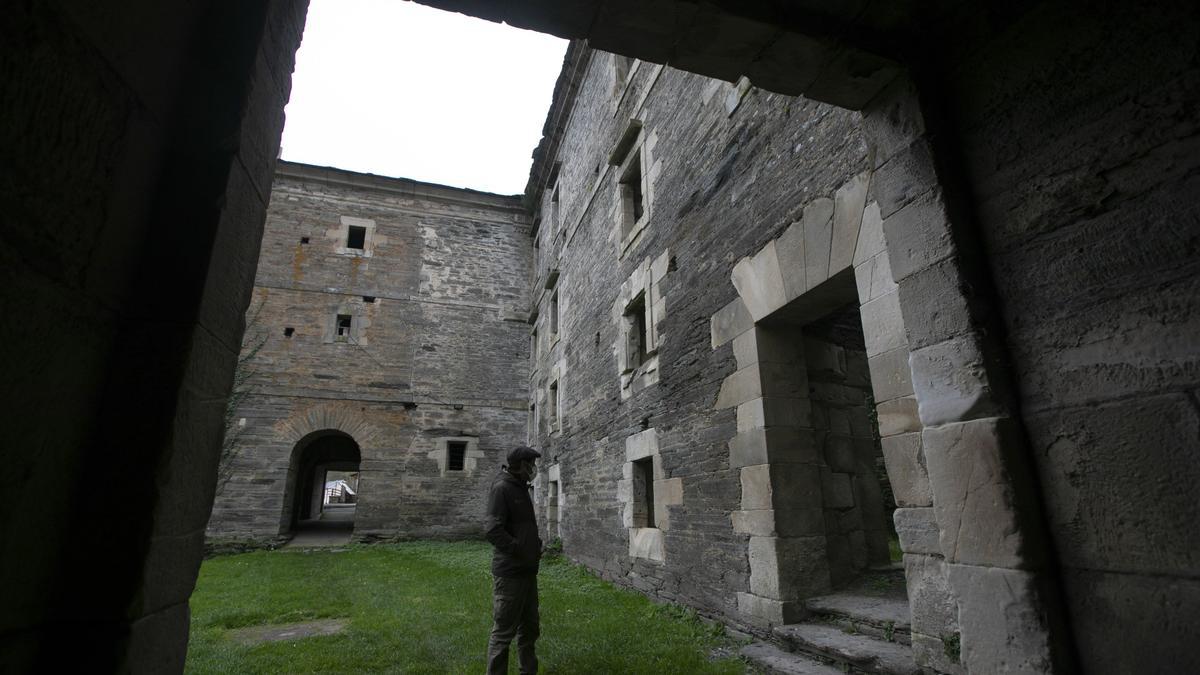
322,489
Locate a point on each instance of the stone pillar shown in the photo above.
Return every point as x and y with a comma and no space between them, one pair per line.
987,512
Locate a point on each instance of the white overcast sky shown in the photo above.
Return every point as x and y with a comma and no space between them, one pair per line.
399,89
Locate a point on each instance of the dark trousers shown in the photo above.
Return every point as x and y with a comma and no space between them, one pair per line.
515,613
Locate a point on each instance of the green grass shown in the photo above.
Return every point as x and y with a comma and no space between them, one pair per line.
425,607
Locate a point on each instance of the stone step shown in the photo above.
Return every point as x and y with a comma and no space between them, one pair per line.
861,653
772,660
885,618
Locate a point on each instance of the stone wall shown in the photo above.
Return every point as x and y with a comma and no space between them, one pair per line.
437,350
1084,173
725,168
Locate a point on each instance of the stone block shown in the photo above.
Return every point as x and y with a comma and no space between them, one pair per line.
931,601
908,174
905,462
947,303
758,282
993,601
782,486
774,412
1134,623
818,233
890,374
641,445
870,235
789,249
741,386
976,495
918,236
765,612
647,542
788,568
837,490
779,523
848,204
883,324
918,530
893,119
729,322
773,445
824,357
851,77
767,346
898,416
839,453
952,382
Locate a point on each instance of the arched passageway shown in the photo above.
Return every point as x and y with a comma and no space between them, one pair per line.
322,488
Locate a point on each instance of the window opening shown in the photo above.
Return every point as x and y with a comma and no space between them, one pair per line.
368,298
456,453
356,237
643,493
534,346
553,402
635,321
554,313
303,240
289,331
343,327
633,200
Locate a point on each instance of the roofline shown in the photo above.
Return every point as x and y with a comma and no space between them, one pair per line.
405,186
566,90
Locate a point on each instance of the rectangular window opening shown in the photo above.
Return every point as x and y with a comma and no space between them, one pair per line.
635,324
643,493
356,237
633,200
368,298
456,454
553,403
343,327
534,346
303,240
554,313
289,331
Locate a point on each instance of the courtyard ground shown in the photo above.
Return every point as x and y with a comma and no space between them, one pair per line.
425,607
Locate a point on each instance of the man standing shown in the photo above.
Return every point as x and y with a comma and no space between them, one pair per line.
517,549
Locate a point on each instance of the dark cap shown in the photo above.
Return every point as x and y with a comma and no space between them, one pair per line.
522,453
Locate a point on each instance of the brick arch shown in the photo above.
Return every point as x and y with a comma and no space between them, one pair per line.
326,416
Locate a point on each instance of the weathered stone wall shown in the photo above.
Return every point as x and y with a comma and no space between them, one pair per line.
434,299
727,169
1084,171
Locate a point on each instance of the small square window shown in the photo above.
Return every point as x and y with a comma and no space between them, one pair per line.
368,298
343,327
289,331
356,237
303,240
456,454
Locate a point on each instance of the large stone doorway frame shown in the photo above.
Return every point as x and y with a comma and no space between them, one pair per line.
312,456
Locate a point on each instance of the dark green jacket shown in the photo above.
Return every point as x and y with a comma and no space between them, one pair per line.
511,528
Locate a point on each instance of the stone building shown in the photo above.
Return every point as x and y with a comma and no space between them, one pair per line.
388,335
1034,168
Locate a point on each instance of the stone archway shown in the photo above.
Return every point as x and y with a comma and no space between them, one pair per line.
312,458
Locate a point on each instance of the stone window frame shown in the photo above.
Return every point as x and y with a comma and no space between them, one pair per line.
554,501
359,322
635,144
371,238
532,424
648,543
554,315
554,414
471,457
622,69
645,283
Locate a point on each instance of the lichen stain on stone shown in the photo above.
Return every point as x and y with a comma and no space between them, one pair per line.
298,261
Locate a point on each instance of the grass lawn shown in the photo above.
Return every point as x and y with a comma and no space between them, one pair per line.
425,607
